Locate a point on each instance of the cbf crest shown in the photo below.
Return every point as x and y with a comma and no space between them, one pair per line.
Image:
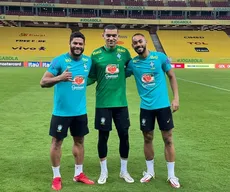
118,56
152,65
102,121
143,122
59,128
85,67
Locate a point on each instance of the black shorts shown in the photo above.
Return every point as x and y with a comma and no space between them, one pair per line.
163,116
59,126
104,117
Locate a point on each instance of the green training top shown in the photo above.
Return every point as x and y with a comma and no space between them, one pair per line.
108,69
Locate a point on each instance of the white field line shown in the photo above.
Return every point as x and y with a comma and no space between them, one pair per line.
203,84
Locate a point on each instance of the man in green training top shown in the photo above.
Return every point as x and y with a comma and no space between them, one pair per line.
108,69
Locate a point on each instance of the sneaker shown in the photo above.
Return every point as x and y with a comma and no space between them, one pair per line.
102,179
83,178
56,184
147,177
126,177
174,182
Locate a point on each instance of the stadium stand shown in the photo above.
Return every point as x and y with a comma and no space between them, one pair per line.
33,44
171,3
42,44
174,15
208,47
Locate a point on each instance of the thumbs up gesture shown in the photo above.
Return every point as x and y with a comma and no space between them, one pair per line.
66,75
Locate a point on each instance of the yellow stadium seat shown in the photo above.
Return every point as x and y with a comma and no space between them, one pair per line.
33,44
43,44
208,47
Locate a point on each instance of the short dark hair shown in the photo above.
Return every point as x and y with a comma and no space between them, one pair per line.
76,34
111,27
136,34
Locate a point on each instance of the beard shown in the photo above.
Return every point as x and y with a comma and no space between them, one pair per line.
72,49
140,52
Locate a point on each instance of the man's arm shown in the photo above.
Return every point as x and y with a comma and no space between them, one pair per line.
49,80
128,65
92,78
174,86
166,66
128,69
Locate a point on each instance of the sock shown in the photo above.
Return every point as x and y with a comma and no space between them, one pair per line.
78,170
104,166
170,166
124,166
150,166
56,171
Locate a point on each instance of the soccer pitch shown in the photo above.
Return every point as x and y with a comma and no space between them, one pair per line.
201,137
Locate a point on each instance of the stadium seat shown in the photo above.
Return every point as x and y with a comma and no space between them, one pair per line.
68,1
112,2
90,2
172,17
45,1
177,3
205,17
224,17
107,15
143,16
208,47
197,4
34,44
155,3
219,4
133,2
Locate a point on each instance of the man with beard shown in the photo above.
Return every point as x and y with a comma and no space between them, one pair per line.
108,69
69,73
149,70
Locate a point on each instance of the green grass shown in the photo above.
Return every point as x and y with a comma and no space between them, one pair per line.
201,137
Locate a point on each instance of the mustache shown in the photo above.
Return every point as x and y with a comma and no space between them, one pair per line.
73,49
140,51
77,48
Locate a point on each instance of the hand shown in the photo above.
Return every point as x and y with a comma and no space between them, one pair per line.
175,105
66,75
